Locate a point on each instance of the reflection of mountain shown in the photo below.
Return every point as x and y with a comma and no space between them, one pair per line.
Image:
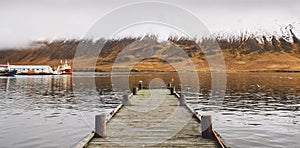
241,54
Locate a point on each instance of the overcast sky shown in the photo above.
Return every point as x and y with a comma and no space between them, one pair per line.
23,21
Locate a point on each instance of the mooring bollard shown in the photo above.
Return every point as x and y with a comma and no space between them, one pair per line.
182,100
206,127
172,90
125,99
134,90
100,125
140,84
169,85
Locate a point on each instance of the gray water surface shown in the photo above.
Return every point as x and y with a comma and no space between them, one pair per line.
259,109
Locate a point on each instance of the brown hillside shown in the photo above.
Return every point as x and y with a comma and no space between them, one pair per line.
240,54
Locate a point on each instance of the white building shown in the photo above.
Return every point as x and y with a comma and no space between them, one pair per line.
32,69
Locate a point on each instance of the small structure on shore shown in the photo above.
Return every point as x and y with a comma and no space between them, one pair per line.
32,69
5,70
40,69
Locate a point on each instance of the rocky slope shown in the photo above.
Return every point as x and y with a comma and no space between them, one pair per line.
240,54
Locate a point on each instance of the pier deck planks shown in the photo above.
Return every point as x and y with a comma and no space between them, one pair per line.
153,118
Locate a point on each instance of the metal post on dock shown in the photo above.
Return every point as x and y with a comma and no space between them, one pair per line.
100,125
182,100
134,90
206,126
172,90
169,85
140,84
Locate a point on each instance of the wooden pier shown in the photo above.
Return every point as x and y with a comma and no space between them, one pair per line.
153,118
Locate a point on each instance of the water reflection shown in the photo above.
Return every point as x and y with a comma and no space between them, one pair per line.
35,92
255,106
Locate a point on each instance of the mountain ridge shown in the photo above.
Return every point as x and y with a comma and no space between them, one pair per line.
242,54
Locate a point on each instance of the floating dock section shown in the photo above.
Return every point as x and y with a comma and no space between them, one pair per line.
153,118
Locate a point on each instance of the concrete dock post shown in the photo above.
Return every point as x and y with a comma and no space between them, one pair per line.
206,126
100,125
134,90
182,100
140,84
172,90
125,99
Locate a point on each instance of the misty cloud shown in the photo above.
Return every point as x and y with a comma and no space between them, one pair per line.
30,20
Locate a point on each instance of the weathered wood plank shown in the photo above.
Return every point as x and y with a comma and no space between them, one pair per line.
154,119
84,142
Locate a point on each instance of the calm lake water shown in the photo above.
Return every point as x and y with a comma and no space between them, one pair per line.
258,109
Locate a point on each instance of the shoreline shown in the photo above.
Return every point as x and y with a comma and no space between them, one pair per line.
226,71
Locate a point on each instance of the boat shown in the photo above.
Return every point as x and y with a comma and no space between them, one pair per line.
5,70
63,68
